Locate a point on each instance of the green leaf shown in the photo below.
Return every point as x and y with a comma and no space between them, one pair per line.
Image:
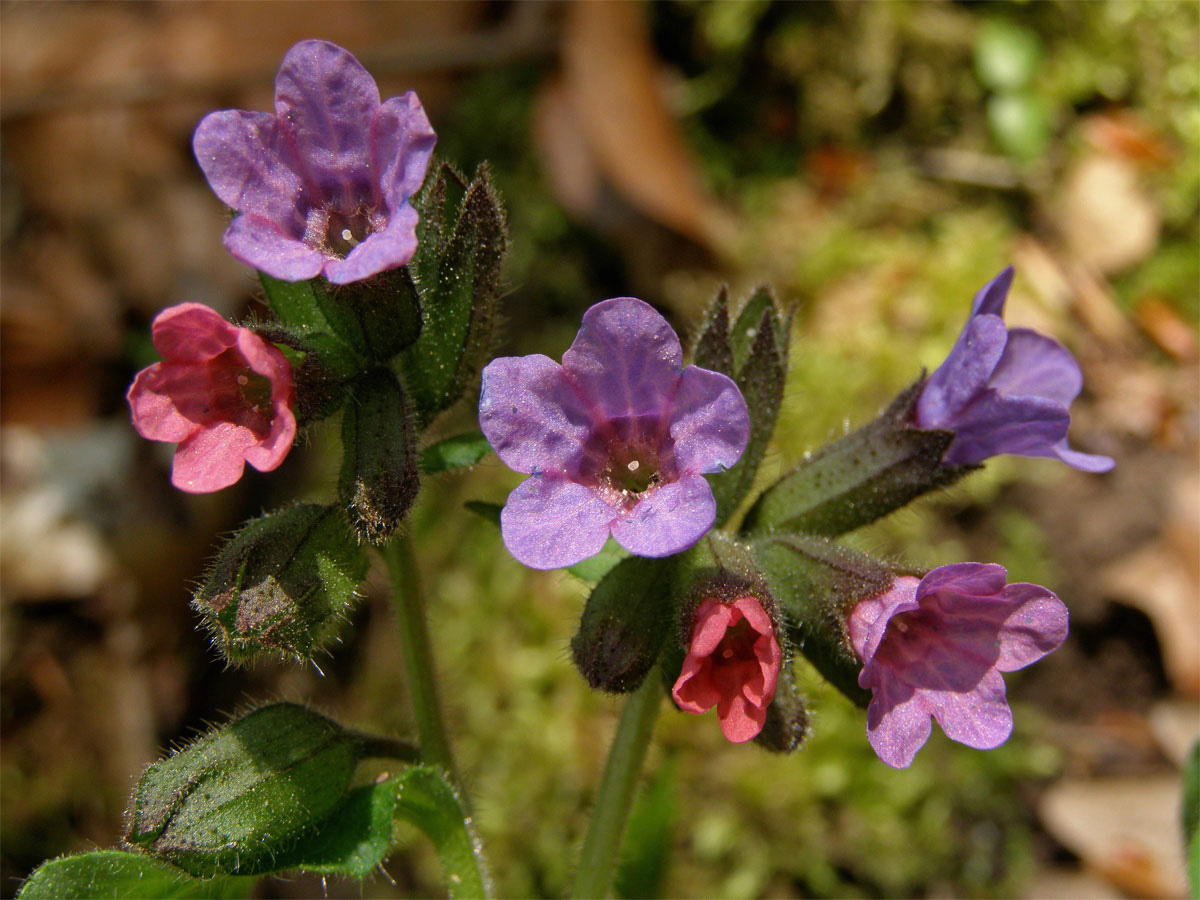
853,481
232,801
381,315
282,583
817,582
624,623
761,381
745,330
1022,123
459,452
486,510
713,350
359,835
136,876
379,480
458,277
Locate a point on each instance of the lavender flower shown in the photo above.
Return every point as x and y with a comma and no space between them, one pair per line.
616,440
323,183
1004,390
936,647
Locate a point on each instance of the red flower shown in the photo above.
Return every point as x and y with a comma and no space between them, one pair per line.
221,392
732,664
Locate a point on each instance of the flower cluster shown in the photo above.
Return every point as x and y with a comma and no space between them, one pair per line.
616,439
222,393
322,183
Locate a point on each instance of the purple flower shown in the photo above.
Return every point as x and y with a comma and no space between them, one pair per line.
323,183
617,439
1004,390
936,647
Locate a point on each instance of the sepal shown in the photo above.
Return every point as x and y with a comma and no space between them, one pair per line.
817,582
379,479
281,584
624,623
457,273
787,721
867,474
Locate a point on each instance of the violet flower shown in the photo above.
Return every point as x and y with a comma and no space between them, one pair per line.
616,440
322,183
732,663
1004,390
222,393
936,647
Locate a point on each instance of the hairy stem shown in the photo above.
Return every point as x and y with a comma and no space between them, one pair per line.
615,797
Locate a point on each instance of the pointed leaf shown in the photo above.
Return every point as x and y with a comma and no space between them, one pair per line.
713,350
233,800
596,567
745,329
136,876
357,838
458,278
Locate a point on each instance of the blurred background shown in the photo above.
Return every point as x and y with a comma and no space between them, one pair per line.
876,163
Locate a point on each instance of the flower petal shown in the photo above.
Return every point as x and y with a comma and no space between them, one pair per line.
549,522
980,718
990,298
963,377
625,359
996,423
1036,626
1035,365
1085,462
402,143
869,620
532,416
325,101
710,423
668,519
153,410
898,723
740,719
249,168
192,332
694,691
388,249
212,458
259,243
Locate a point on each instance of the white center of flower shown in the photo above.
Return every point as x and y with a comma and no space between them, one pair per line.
348,237
243,380
633,465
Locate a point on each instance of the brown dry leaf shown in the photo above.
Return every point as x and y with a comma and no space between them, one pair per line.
1166,328
1105,215
1127,829
612,80
569,163
1163,581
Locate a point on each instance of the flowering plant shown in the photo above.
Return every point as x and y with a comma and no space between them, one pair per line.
718,586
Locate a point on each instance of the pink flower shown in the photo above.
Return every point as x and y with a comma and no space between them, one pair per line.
935,647
732,664
222,393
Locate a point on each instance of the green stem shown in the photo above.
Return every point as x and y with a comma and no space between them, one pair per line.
615,797
418,654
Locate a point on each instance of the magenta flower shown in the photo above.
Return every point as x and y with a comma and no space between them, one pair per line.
323,183
616,440
221,392
1004,390
936,647
733,664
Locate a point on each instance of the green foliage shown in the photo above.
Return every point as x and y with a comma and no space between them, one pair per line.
457,274
646,847
1190,817
379,479
858,479
133,876
281,583
459,452
232,801
356,838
